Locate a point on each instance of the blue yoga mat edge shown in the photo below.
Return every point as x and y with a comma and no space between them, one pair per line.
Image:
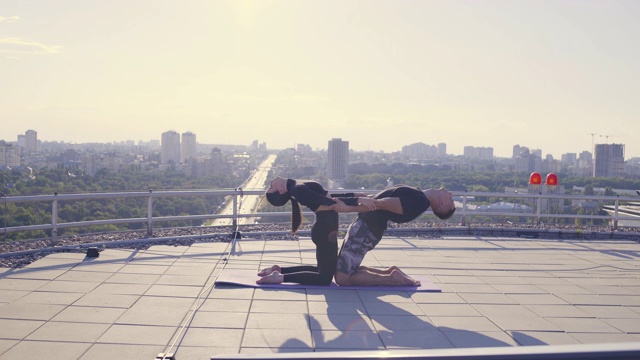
243,277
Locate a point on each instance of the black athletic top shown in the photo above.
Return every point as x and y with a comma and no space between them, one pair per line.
324,233
311,194
414,203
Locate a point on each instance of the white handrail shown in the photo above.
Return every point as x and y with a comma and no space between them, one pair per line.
465,212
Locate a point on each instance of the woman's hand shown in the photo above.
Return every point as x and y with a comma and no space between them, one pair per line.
368,202
339,206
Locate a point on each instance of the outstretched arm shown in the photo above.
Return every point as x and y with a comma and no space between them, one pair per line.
365,204
392,204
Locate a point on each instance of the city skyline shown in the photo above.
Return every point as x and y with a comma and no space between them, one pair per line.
179,146
379,74
180,151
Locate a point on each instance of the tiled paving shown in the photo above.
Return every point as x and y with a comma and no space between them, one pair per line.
135,304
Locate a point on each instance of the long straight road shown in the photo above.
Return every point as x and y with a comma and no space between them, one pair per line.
248,203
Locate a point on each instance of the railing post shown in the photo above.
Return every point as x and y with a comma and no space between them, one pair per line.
150,213
54,218
538,206
464,208
4,197
615,215
234,221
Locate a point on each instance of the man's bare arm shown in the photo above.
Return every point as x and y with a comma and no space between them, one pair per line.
364,205
392,204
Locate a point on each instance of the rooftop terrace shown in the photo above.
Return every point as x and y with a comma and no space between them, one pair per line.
503,292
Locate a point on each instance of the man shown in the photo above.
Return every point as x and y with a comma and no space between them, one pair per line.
399,204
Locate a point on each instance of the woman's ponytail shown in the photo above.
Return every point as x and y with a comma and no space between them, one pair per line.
277,199
296,216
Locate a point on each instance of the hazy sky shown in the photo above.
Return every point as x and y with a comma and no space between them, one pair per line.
380,74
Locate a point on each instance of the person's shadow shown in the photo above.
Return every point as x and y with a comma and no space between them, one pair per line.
378,324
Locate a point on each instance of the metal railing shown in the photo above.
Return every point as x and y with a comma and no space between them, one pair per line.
618,351
464,212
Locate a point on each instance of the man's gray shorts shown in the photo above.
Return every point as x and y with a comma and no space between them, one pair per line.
360,240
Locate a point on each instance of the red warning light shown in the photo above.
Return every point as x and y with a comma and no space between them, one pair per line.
535,180
552,181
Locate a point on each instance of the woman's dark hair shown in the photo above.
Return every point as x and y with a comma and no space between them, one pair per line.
277,199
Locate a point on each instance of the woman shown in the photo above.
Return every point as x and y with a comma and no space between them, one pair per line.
324,232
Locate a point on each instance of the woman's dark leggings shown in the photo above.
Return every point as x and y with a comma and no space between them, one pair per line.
324,235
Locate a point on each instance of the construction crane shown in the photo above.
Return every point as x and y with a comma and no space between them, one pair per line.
606,138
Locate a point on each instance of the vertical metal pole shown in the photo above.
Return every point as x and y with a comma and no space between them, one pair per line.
149,213
54,218
4,197
234,221
234,225
464,208
538,207
615,216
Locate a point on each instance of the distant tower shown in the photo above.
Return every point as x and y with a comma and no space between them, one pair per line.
9,155
442,150
30,141
337,162
170,147
517,151
609,160
188,147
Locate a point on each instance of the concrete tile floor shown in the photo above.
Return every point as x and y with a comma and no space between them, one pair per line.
135,304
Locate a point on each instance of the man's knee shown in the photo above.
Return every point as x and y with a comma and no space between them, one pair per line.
342,279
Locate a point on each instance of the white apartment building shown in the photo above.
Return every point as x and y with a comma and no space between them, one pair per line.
9,155
170,148
338,162
30,141
188,147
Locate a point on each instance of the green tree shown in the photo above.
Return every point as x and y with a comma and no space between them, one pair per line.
588,190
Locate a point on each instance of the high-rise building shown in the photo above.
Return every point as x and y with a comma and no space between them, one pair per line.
9,155
585,163
188,147
517,151
442,149
170,148
419,151
609,160
30,141
337,162
482,153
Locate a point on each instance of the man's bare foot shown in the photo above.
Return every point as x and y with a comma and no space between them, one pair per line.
269,270
273,278
401,279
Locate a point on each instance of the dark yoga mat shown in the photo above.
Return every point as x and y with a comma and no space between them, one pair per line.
243,277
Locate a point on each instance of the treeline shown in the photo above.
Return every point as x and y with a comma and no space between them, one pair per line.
59,181
51,181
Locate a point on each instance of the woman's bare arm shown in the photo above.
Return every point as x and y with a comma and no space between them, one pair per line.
364,205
